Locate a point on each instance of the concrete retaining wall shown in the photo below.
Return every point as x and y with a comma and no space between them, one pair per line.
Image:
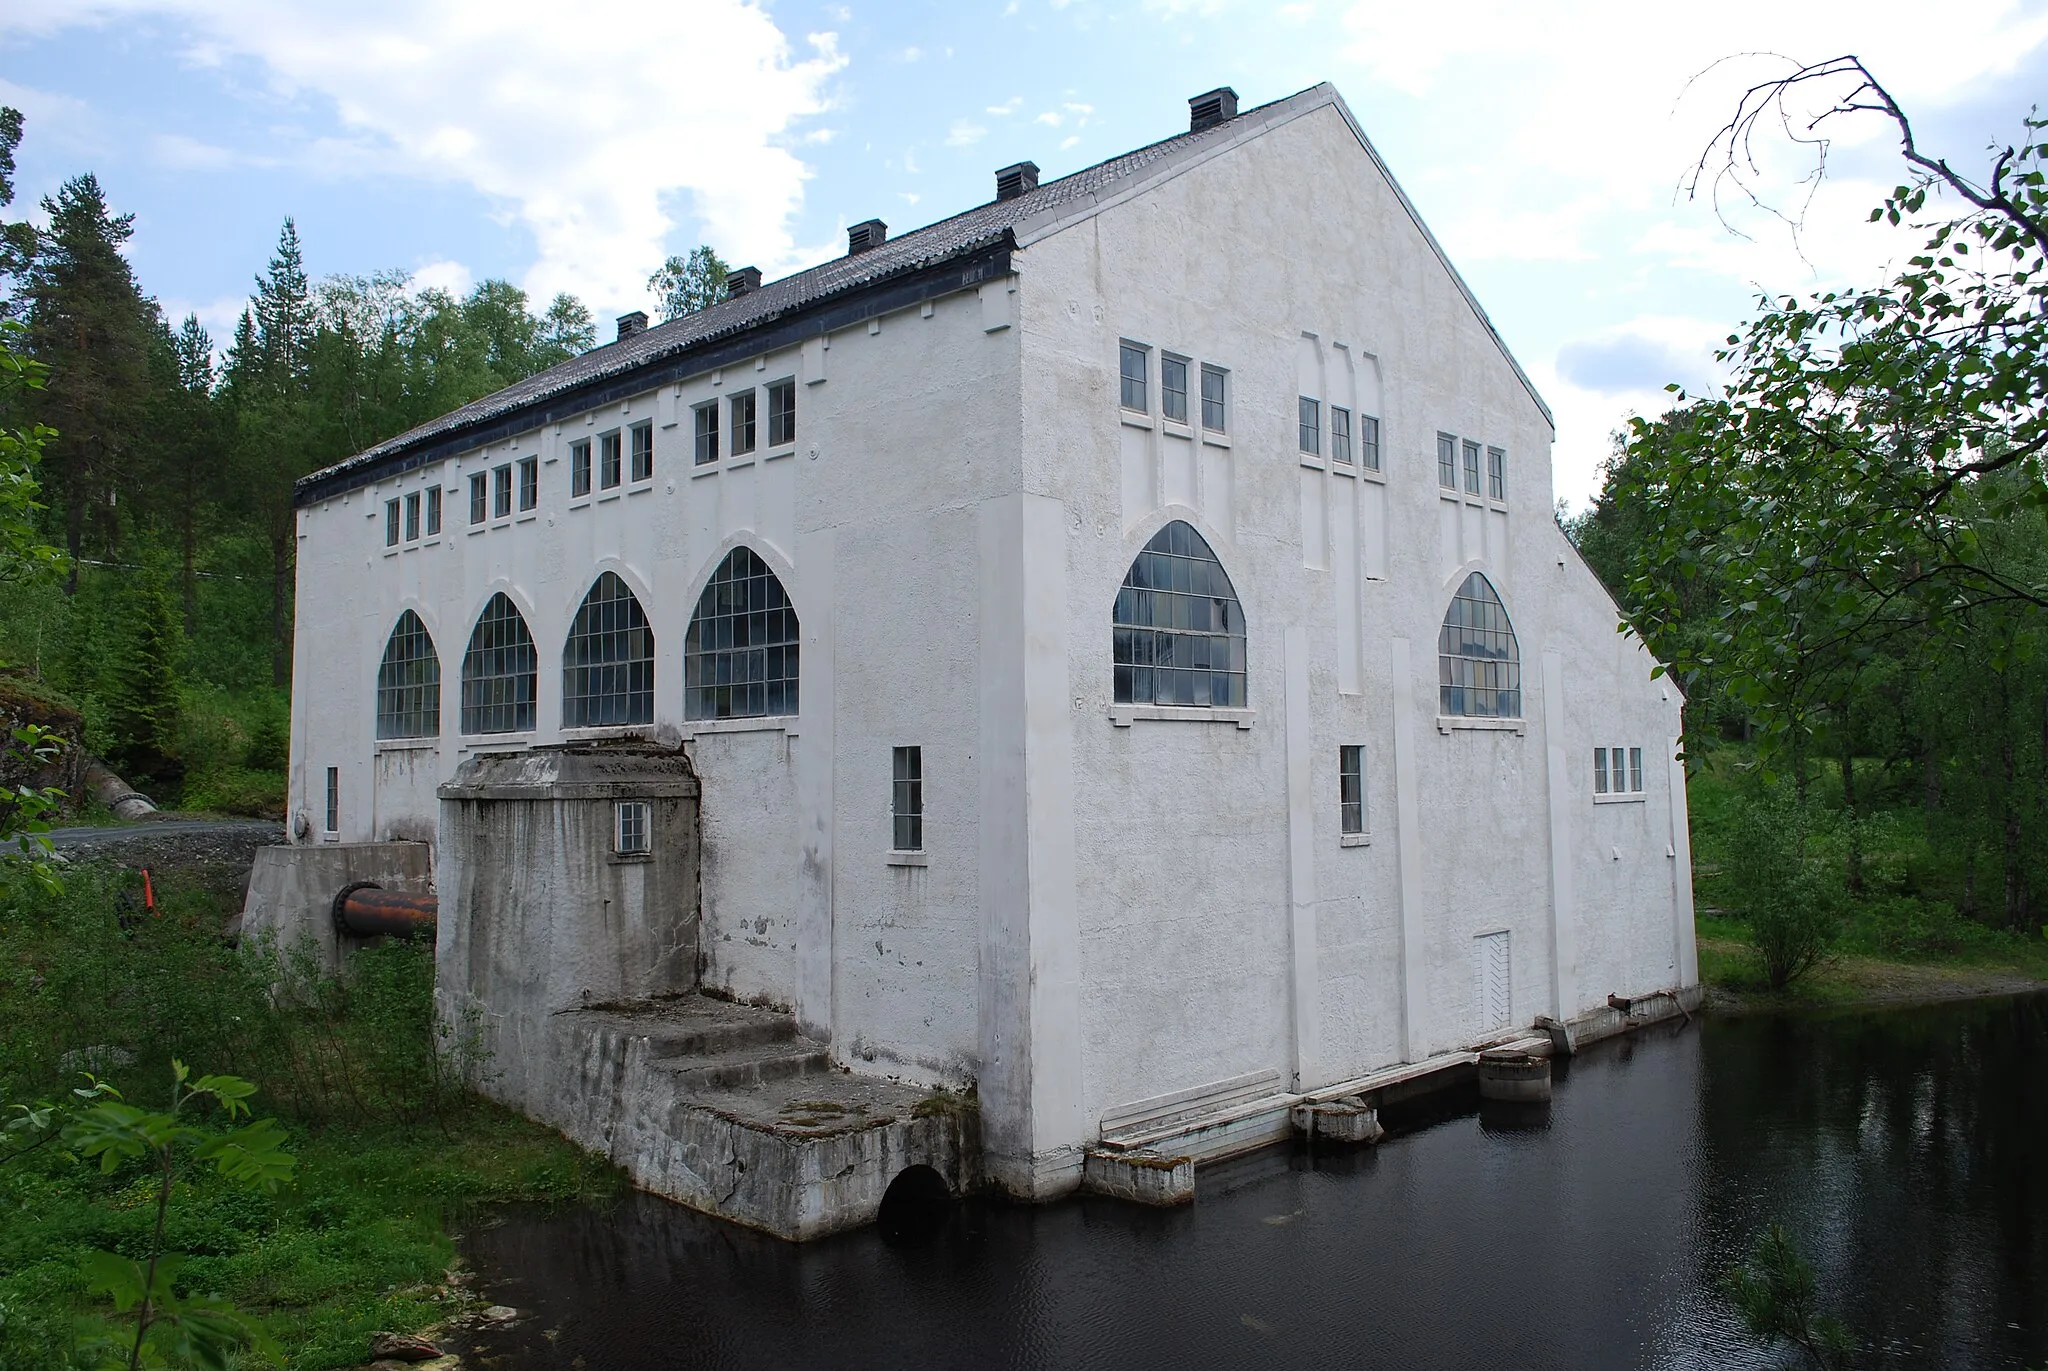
292,889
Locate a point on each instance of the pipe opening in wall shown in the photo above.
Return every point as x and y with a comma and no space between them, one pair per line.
915,1206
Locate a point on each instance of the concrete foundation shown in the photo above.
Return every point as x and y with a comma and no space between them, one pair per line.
292,889
1514,1077
1141,1177
1340,1121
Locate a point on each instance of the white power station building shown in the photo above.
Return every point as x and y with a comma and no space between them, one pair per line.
1119,632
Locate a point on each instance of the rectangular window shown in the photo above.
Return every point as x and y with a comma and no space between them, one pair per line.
1447,461
632,827
501,491
608,459
1340,434
1351,788
782,413
1311,425
1635,769
907,799
391,523
529,482
434,512
707,432
643,451
743,422
1497,473
1471,467
1133,363
1173,387
579,468
412,517
477,511
1599,771
1368,442
1212,399
333,800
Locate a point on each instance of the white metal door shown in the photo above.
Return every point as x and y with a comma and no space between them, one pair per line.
1493,995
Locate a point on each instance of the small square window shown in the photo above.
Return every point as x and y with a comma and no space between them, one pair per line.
1497,473
706,416
742,422
1311,415
632,828
1134,362
608,459
1351,788
1340,434
501,491
907,799
579,468
1173,387
1368,442
529,483
1635,769
1212,399
433,511
1447,461
1471,467
782,413
1599,771
333,800
391,523
477,510
412,517
643,452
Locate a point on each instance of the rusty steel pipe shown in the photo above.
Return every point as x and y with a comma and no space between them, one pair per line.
367,911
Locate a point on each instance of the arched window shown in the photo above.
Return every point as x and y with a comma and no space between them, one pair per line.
608,661
1480,667
1179,631
499,672
739,657
409,682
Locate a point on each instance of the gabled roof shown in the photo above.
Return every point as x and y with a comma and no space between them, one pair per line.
1019,220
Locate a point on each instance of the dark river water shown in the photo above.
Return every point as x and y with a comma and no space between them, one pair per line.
1906,1150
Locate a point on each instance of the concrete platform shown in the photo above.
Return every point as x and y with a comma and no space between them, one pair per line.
728,1109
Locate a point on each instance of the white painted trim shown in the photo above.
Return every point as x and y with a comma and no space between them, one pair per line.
1633,797
1122,716
772,723
1354,840
1448,723
908,858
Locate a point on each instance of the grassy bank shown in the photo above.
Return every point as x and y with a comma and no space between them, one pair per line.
391,1150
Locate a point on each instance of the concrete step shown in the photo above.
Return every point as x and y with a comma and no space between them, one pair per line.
715,1039
748,1066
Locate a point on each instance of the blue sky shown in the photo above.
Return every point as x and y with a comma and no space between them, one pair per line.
573,146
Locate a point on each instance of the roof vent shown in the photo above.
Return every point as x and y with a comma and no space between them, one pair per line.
1207,111
741,280
868,233
630,324
1012,182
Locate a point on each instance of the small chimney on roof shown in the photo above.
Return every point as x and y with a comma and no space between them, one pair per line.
630,324
740,280
1012,182
1212,108
868,233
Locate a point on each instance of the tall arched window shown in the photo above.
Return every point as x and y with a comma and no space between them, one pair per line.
740,655
409,682
499,672
608,660
1480,668
1179,631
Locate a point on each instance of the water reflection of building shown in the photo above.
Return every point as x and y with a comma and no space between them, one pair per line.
1120,639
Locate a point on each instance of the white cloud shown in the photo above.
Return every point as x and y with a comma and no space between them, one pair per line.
1069,141
176,152
1051,118
217,317
964,135
538,105
1009,106
910,54
452,277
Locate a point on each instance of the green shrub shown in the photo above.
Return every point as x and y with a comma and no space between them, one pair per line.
1781,879
236,790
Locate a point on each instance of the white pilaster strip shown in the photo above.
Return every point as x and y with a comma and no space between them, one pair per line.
1564,911
1304,982
1688,951
1408,851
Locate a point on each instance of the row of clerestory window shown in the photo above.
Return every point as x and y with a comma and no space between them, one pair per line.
740,434
1458,458
740,660
1176,401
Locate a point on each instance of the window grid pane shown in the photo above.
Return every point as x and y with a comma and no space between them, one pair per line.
412,517
706,432
1212,399
781,413
643,452
1178,630
529,482
476,498
1311,425
1471,467
433,510
579,468
608,660
1173,388
1340,434
500,672
1447,461
1497,473
1132,360
391,523
906,799
1599,771
742,423
633,831
1635,769
1351,788
501,492
740,654
1480,667
409,682
333,815
1369,442
608,460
